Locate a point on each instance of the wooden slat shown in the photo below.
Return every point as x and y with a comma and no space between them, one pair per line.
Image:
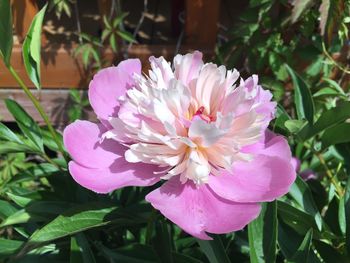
104,7
23,13
60,70
55,102
202,17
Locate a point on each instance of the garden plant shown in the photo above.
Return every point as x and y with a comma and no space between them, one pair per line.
241,158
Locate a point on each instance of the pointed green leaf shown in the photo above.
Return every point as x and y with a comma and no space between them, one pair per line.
302,254
126,36
26,123
214,250
335,135
302,97
7,134
162,243
262,233
347,215
32,48
6,35
80,250
328,119
9,247
303,196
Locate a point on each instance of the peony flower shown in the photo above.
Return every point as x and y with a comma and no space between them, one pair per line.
198,128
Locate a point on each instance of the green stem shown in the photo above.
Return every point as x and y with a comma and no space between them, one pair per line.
49,160
39,109
333,61
329,173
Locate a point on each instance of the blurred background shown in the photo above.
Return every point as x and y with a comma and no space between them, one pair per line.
256,37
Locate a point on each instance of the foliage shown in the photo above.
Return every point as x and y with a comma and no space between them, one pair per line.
45,215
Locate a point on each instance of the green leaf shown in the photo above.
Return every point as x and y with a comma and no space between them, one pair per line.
328,119
290,243
84,217
295,218
6,30
302,97
302,254
303,196
12,147
26,123
335,135
119,19
113,42
80,250
329,253
49,142
126,36
8,135
32,47
21,217
326,92
294,125
6,209
262,233
214,250
19,200
135,253
36,211
32,173
162,243
181,258
73,221
335,85
347,215
9,247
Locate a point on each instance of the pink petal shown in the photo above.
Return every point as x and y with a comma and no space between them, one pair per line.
268,176
187,66
82,140
118,175
308,174
198,210
100,166
109,84
296,164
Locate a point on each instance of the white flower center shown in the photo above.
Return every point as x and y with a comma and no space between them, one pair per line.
193,125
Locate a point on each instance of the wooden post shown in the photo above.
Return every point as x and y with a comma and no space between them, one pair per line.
23,13
201,23
104,7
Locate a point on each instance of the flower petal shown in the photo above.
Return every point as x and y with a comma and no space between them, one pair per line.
187,66
109,84
82,140
119,174
268,176
198,210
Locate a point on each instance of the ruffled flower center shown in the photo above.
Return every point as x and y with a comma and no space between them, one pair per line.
192,120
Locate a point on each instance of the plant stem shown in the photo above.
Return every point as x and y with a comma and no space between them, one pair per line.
333,179
49,160
333,61
330,175
39,109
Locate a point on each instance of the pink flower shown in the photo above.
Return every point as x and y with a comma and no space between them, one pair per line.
196,127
